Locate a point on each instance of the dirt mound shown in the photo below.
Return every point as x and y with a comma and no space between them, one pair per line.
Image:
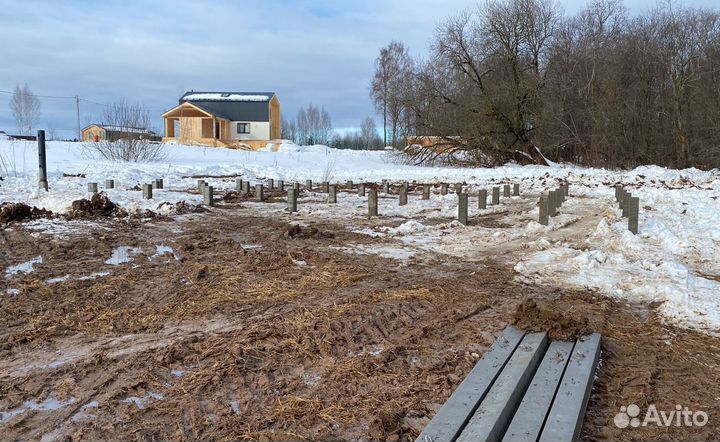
20,211
559,325
233,196
181,208
385,426
98,205
309,232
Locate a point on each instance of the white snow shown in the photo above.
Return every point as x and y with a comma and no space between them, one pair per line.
141,402
122,255
48,404
58,279
87,411
225,97
24,267
673,260
161,250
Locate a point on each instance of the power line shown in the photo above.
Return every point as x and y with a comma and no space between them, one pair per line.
93,102
77,100
59,98
40,96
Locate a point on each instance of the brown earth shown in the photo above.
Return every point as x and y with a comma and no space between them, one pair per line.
254,329
12,212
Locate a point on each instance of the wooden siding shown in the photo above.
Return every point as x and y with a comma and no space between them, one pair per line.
275,129
198,127
93,133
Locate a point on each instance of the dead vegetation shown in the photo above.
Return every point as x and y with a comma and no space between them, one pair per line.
252,329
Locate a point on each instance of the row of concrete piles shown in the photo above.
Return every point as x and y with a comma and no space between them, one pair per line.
630,206
463,198
331,190
93,187
206,190
293,193
147,188
550,203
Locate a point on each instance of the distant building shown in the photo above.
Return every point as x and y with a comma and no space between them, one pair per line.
7,136
434,142
248,120
98,132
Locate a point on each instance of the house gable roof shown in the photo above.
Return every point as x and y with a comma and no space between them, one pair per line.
233,106
120,129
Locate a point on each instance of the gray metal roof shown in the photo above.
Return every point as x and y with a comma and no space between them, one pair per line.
234,106
121,129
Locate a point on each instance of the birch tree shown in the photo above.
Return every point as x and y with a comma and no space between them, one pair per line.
25,108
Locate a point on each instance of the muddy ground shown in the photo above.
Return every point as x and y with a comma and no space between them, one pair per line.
252,329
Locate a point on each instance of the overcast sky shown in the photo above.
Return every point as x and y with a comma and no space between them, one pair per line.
306,51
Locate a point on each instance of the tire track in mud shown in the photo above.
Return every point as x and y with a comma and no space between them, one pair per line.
362,323
255,346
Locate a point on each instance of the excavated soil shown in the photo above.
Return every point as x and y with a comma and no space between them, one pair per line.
560,325
248,328
10,212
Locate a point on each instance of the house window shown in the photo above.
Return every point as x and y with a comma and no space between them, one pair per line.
243,128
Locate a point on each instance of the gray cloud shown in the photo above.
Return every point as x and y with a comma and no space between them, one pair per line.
307,51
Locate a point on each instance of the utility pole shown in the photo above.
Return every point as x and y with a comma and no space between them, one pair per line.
77,108
42,175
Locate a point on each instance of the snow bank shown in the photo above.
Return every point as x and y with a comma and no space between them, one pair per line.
673,260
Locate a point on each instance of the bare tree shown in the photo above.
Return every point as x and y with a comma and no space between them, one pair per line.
513,78
130,140
127,115
348,140
482,87
314,125
393,71
368,133
303,127
52,133
684,36
25,108
289,130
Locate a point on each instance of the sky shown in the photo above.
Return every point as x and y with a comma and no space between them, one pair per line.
319,52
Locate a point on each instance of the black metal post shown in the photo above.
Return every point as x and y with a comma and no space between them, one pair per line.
42,177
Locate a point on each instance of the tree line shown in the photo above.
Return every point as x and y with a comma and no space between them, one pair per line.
313,125
511,79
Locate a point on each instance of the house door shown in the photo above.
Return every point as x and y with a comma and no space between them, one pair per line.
217,130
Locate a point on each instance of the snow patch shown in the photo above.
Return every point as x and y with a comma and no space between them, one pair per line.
24,267
49,404
141,402
122,255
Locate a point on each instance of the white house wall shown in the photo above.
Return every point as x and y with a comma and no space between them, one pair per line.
258,131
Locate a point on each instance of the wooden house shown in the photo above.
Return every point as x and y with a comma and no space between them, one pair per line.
100,132
437,143
7,136
247,120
